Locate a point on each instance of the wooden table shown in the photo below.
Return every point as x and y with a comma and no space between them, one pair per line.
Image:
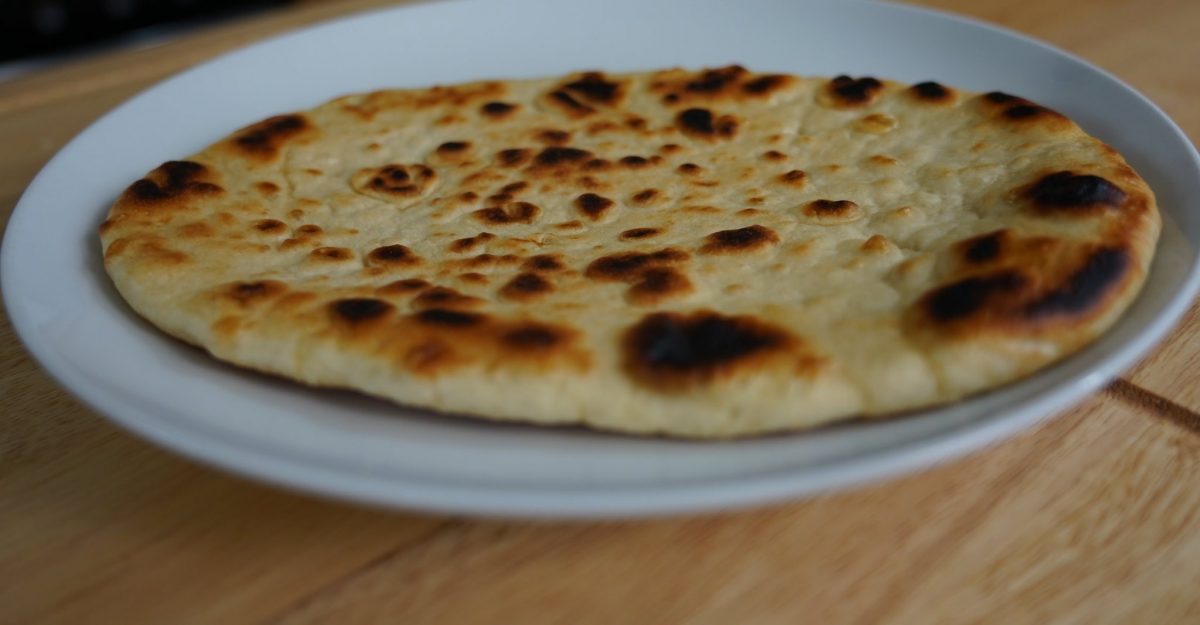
1091,518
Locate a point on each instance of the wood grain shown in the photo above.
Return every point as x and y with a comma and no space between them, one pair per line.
1089,518
964,543
1173,370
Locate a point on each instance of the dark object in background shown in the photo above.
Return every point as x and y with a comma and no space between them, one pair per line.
35,27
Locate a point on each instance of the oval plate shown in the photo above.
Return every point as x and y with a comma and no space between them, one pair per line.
350,446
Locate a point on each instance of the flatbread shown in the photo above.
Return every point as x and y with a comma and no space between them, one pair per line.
695,253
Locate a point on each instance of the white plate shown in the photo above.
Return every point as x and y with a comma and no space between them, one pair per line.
349,446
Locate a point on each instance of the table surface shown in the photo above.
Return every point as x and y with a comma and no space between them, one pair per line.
1089,518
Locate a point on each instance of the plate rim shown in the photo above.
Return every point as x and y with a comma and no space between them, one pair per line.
623,501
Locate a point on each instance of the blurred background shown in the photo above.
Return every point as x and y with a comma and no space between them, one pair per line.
35,33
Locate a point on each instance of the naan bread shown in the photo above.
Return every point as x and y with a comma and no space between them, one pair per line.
701,254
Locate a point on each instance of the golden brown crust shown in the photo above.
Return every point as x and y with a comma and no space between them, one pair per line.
930,92
698,252
264,140
739,240
846,92
173,185
674,353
